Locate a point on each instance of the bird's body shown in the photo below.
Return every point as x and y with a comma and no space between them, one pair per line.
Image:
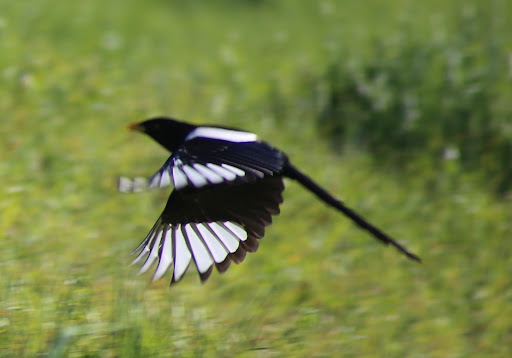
227,186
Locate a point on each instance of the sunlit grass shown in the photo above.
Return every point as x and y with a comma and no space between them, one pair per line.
73,75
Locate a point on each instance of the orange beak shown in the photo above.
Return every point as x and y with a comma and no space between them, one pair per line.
137,126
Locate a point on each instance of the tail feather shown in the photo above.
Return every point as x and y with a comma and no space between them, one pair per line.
293,173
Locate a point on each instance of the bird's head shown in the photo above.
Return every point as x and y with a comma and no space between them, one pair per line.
168,132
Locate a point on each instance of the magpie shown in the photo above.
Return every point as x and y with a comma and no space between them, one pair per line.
227,186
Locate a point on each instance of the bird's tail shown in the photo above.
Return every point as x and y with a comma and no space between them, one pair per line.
293,173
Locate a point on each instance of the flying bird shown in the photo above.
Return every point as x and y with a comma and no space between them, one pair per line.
227,186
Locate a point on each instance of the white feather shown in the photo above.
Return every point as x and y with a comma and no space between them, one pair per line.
217,250
237,230
201,256
141,255
124,185
209,174
155,180
222,134
239,172
165,256
179,178
194,177
166,179
227,238
183,255
226,174
154,252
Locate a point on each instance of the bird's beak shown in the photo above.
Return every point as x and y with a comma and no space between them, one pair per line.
137,126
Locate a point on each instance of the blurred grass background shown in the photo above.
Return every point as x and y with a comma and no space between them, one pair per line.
400,108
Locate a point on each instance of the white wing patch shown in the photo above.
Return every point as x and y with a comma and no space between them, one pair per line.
182,253
217,249
153,255
228,135
183,175
202,257
238,172
237,230
177,245
196,178
230,240
165,257
179,178
226,174
209,174
166,178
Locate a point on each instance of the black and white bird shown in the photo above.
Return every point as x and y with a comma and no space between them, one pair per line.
227,186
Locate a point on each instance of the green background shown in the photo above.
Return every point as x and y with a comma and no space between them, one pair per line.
73,74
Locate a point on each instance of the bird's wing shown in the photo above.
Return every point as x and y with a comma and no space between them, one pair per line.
203,162
213,226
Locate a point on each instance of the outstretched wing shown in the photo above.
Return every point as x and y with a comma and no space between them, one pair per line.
202,162
211,226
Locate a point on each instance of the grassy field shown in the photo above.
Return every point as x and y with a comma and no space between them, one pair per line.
74,74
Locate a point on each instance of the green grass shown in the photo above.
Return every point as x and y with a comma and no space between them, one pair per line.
73,74
443,96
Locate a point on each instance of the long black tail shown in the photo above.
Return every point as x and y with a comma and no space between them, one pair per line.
293,173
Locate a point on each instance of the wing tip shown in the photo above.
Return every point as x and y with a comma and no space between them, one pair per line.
205,275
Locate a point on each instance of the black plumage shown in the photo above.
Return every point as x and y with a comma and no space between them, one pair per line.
227,186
